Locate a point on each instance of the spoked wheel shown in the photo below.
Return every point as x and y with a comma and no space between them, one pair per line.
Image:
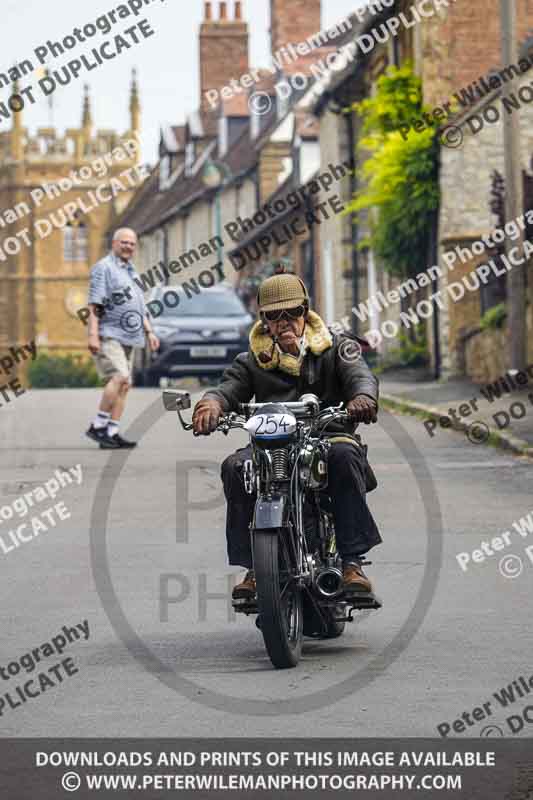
279,600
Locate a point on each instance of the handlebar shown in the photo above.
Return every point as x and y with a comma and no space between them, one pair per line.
293,405
230,421
307,408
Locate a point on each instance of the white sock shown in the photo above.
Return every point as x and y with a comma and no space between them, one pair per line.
113,427
101,420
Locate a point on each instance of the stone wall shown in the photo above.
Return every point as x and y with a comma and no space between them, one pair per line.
334,281
486,355
465,214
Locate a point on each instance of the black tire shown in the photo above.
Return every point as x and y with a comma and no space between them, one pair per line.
335,629
281,617
138,378
313,626
151,379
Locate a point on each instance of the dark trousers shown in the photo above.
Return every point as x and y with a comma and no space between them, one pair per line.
355,528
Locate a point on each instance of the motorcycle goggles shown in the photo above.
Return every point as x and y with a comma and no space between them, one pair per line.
285,313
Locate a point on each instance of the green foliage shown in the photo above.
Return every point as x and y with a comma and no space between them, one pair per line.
54,372
400,174
494,318
410,353
397,102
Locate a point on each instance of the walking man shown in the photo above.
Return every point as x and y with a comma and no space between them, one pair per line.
118,323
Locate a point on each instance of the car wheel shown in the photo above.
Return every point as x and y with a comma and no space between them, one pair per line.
138,378
151,379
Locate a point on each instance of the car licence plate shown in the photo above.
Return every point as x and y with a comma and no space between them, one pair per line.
209,351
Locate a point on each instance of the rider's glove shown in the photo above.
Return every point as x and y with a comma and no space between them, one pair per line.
206,415
363,409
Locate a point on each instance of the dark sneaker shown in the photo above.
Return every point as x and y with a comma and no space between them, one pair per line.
107,443
116,442
97,434
246,589
355,579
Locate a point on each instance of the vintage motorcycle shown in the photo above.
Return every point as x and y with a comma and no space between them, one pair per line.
297,568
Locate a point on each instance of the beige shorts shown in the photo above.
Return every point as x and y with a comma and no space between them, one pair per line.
113,358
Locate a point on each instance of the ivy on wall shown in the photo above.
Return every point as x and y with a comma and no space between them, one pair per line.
399,174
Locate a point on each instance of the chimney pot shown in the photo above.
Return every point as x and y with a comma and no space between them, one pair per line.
238,10
223,11
208,12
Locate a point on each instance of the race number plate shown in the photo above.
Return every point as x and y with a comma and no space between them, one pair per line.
271,426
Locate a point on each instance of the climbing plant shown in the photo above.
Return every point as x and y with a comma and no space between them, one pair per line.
400,184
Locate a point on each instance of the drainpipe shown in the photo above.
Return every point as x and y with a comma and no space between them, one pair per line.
434,259
353,232
312,242
165,249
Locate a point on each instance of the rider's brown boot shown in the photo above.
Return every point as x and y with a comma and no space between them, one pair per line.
246,589
355,579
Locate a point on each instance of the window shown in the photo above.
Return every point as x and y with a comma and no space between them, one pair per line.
190,157
164,172
160,245
75,241
494,291
210,303
223,136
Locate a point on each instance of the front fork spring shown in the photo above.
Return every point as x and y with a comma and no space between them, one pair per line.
280,464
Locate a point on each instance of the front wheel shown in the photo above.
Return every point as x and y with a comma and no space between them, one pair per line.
279,600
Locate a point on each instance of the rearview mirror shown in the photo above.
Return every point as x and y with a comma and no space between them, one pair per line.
176,401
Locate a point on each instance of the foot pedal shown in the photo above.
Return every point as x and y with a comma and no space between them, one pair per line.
363,601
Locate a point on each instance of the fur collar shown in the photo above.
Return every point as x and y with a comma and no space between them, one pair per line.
317,339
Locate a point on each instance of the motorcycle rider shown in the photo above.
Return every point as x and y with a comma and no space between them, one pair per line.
291,353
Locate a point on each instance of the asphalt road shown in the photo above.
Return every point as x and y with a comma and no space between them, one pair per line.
444,641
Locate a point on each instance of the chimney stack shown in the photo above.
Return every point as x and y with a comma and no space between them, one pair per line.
293,21
223,52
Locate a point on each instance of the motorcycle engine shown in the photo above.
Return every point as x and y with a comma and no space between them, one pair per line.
314,465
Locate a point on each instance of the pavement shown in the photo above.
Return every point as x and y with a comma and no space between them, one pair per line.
459,407
165,657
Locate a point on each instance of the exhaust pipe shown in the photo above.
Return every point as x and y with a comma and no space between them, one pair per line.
328,582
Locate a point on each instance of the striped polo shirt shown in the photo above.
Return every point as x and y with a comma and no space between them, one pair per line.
113,286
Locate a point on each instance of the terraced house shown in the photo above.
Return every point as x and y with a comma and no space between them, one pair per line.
456,54
223,186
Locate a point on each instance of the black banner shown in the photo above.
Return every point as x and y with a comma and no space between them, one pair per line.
280,768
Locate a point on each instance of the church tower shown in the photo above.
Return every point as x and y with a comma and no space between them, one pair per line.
56,204
135,105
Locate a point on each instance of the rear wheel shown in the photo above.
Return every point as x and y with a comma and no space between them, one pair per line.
323,625
334,628
279,600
